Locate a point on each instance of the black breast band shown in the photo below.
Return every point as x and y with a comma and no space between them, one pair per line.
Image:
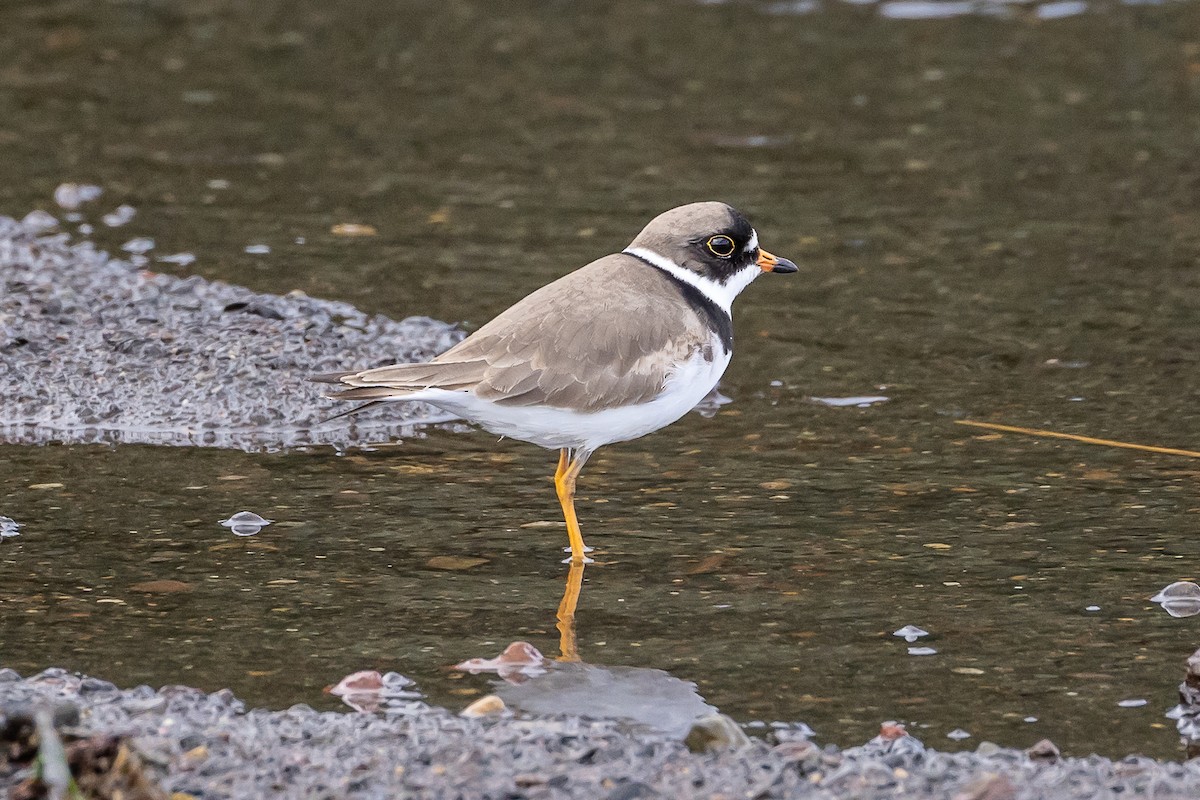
716,317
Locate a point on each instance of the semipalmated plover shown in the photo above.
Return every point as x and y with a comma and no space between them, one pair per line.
610,352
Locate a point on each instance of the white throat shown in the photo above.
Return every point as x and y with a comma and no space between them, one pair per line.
720,293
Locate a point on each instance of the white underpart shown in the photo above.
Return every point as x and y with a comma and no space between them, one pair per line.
555,428
720,293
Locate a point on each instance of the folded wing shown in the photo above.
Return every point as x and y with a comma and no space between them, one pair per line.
601,336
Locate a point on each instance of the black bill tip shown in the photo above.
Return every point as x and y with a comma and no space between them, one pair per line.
785,266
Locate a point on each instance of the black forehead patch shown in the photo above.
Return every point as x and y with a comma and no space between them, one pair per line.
740,229
736,227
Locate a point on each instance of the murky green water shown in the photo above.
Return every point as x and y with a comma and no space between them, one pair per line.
971,199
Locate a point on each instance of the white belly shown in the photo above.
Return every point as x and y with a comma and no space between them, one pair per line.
555,428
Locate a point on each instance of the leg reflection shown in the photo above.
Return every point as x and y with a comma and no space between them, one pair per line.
566,613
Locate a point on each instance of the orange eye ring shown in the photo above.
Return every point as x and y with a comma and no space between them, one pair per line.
720,246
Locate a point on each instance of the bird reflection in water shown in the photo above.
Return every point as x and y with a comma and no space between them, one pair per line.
645,698
567,648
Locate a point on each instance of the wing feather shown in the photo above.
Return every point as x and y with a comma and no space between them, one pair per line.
607,334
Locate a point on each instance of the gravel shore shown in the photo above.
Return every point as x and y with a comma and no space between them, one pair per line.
182,740
98,349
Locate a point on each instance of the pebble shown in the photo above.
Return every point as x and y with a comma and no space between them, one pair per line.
1179,599
910,633
70,196
178,259
121,215
9,527
140,245
484,706
246,523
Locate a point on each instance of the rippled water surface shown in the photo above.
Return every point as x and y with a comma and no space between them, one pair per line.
997,218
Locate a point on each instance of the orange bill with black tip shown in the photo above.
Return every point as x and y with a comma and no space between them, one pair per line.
773,263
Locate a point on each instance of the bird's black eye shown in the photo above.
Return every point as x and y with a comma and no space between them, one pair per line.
720,246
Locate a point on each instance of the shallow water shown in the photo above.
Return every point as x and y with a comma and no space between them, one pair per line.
996,220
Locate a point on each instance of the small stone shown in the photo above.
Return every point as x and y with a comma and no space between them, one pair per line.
144,705
716,732
38,221
910,633
990,786
517,658
488,704
1180,599
1045,750
140,245
178,259
71,196
805,755
246,523
988,749
122,215
1179,590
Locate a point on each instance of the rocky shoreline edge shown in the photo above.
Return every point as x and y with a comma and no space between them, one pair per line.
95,348
177,742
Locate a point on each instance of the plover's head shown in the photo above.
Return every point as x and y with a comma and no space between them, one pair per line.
712,240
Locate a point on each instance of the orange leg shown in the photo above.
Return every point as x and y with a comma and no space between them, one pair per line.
566,613
564,483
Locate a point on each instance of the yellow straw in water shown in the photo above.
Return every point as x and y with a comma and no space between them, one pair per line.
1149,448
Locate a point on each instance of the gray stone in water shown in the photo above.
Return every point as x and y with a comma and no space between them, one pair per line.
71,196
1180,599
910,633
140,245
716,732
121,215
1045,750
246,523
